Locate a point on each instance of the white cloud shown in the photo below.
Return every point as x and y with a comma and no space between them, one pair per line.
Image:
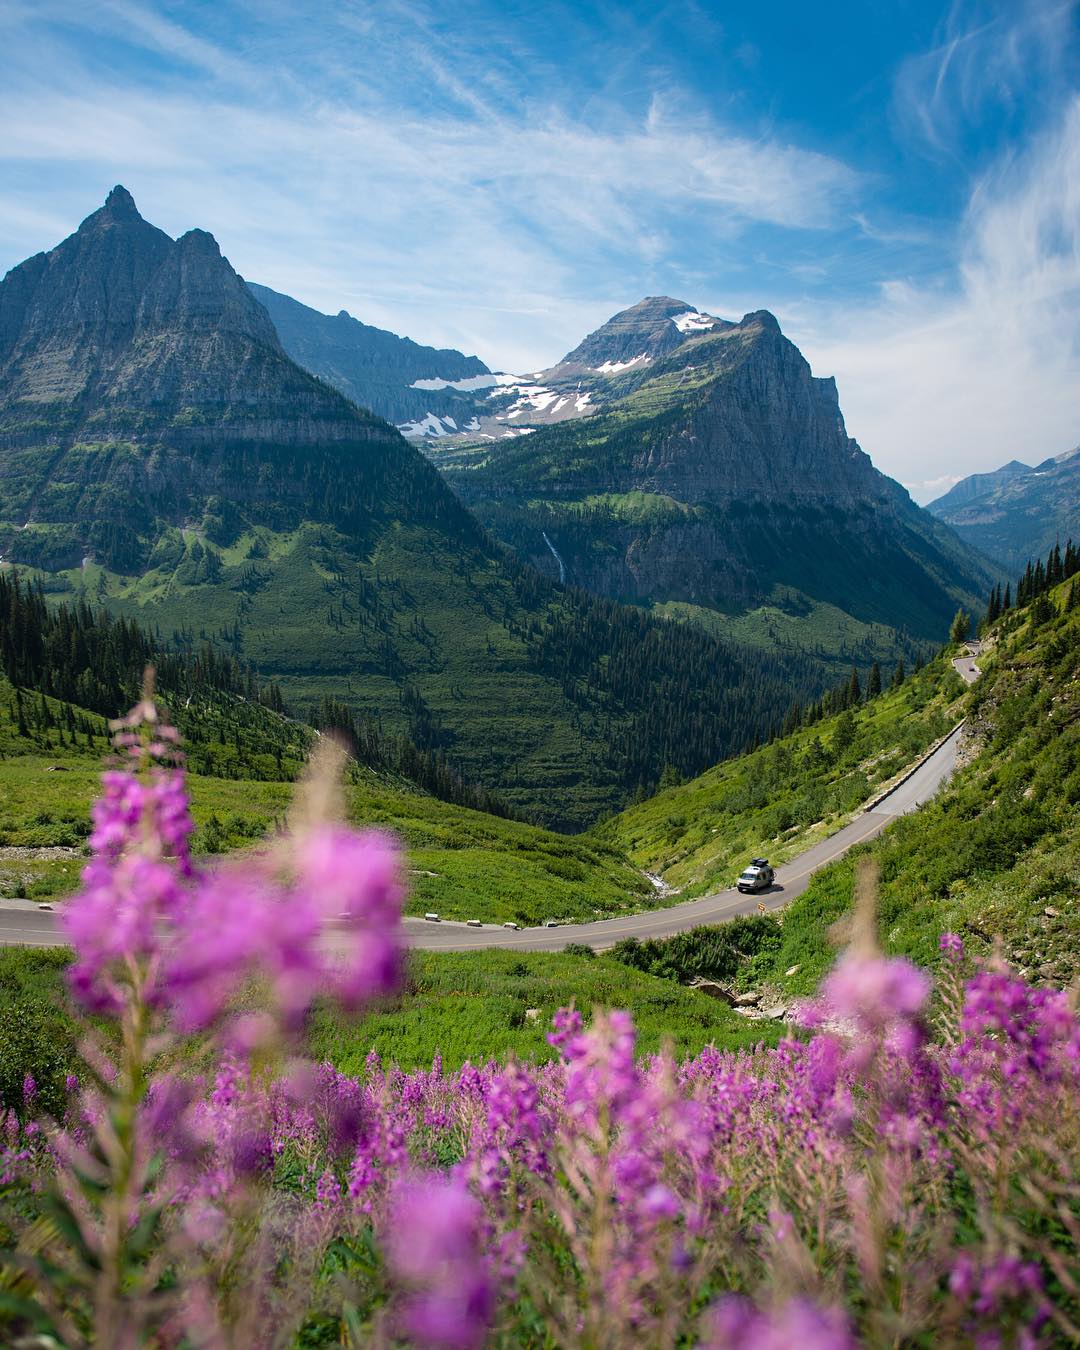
963,377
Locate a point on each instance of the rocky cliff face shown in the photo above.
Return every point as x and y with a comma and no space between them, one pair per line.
719,474
375,368
139,378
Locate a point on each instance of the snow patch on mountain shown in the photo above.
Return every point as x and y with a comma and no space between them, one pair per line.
429,426
467,386
693,322
611,367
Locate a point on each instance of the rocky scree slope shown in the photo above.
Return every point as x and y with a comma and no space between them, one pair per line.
161,453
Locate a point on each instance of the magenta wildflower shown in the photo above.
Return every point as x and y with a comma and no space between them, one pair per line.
434,1249
737,1325
875,992
951,946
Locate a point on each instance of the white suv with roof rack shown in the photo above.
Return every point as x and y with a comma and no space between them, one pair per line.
757,876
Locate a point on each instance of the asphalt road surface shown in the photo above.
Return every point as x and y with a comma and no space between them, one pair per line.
24,924
965,666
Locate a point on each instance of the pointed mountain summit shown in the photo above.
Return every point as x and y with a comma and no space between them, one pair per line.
161,454
88,320
653,327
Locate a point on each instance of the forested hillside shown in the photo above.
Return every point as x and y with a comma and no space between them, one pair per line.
835,754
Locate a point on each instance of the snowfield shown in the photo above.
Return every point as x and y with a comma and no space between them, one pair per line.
693,322
467,386
612,367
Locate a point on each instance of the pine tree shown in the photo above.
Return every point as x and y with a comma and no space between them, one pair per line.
961,627
854,689
845,731
1006,604
897,675
1042,610
873,684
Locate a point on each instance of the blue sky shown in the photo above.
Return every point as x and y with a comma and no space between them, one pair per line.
898,180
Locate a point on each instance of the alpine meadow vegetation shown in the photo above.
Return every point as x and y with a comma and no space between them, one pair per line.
901,1169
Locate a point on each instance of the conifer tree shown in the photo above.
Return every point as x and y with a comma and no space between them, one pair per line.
961,627
845,731
873,684
854,696
897,675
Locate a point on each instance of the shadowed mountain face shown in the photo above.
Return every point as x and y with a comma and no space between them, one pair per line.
716,476
377,369
139,379
1016,512
161,453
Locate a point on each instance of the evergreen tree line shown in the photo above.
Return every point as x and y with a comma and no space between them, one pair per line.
847,694
93,659
1039,578
658,692
429,769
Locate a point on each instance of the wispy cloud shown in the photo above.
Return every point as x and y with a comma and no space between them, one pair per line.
434,217
988,53
973,373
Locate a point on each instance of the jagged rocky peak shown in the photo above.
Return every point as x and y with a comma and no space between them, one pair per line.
651,328
120,203
69,316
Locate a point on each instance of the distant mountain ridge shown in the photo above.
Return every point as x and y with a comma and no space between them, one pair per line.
162,454
375,368
1016,512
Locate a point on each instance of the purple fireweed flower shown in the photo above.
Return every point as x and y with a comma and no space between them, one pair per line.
434,1251
1032,1020
567,1024
875,992
29,1090
951,946
327,1191
737,1325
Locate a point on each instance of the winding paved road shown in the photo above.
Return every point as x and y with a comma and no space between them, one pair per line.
25,924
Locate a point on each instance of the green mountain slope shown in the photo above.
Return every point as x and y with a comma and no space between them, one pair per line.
242,761
994,857
787,796
161,454
716,480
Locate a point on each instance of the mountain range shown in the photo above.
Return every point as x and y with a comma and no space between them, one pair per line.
1016,512
161,453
